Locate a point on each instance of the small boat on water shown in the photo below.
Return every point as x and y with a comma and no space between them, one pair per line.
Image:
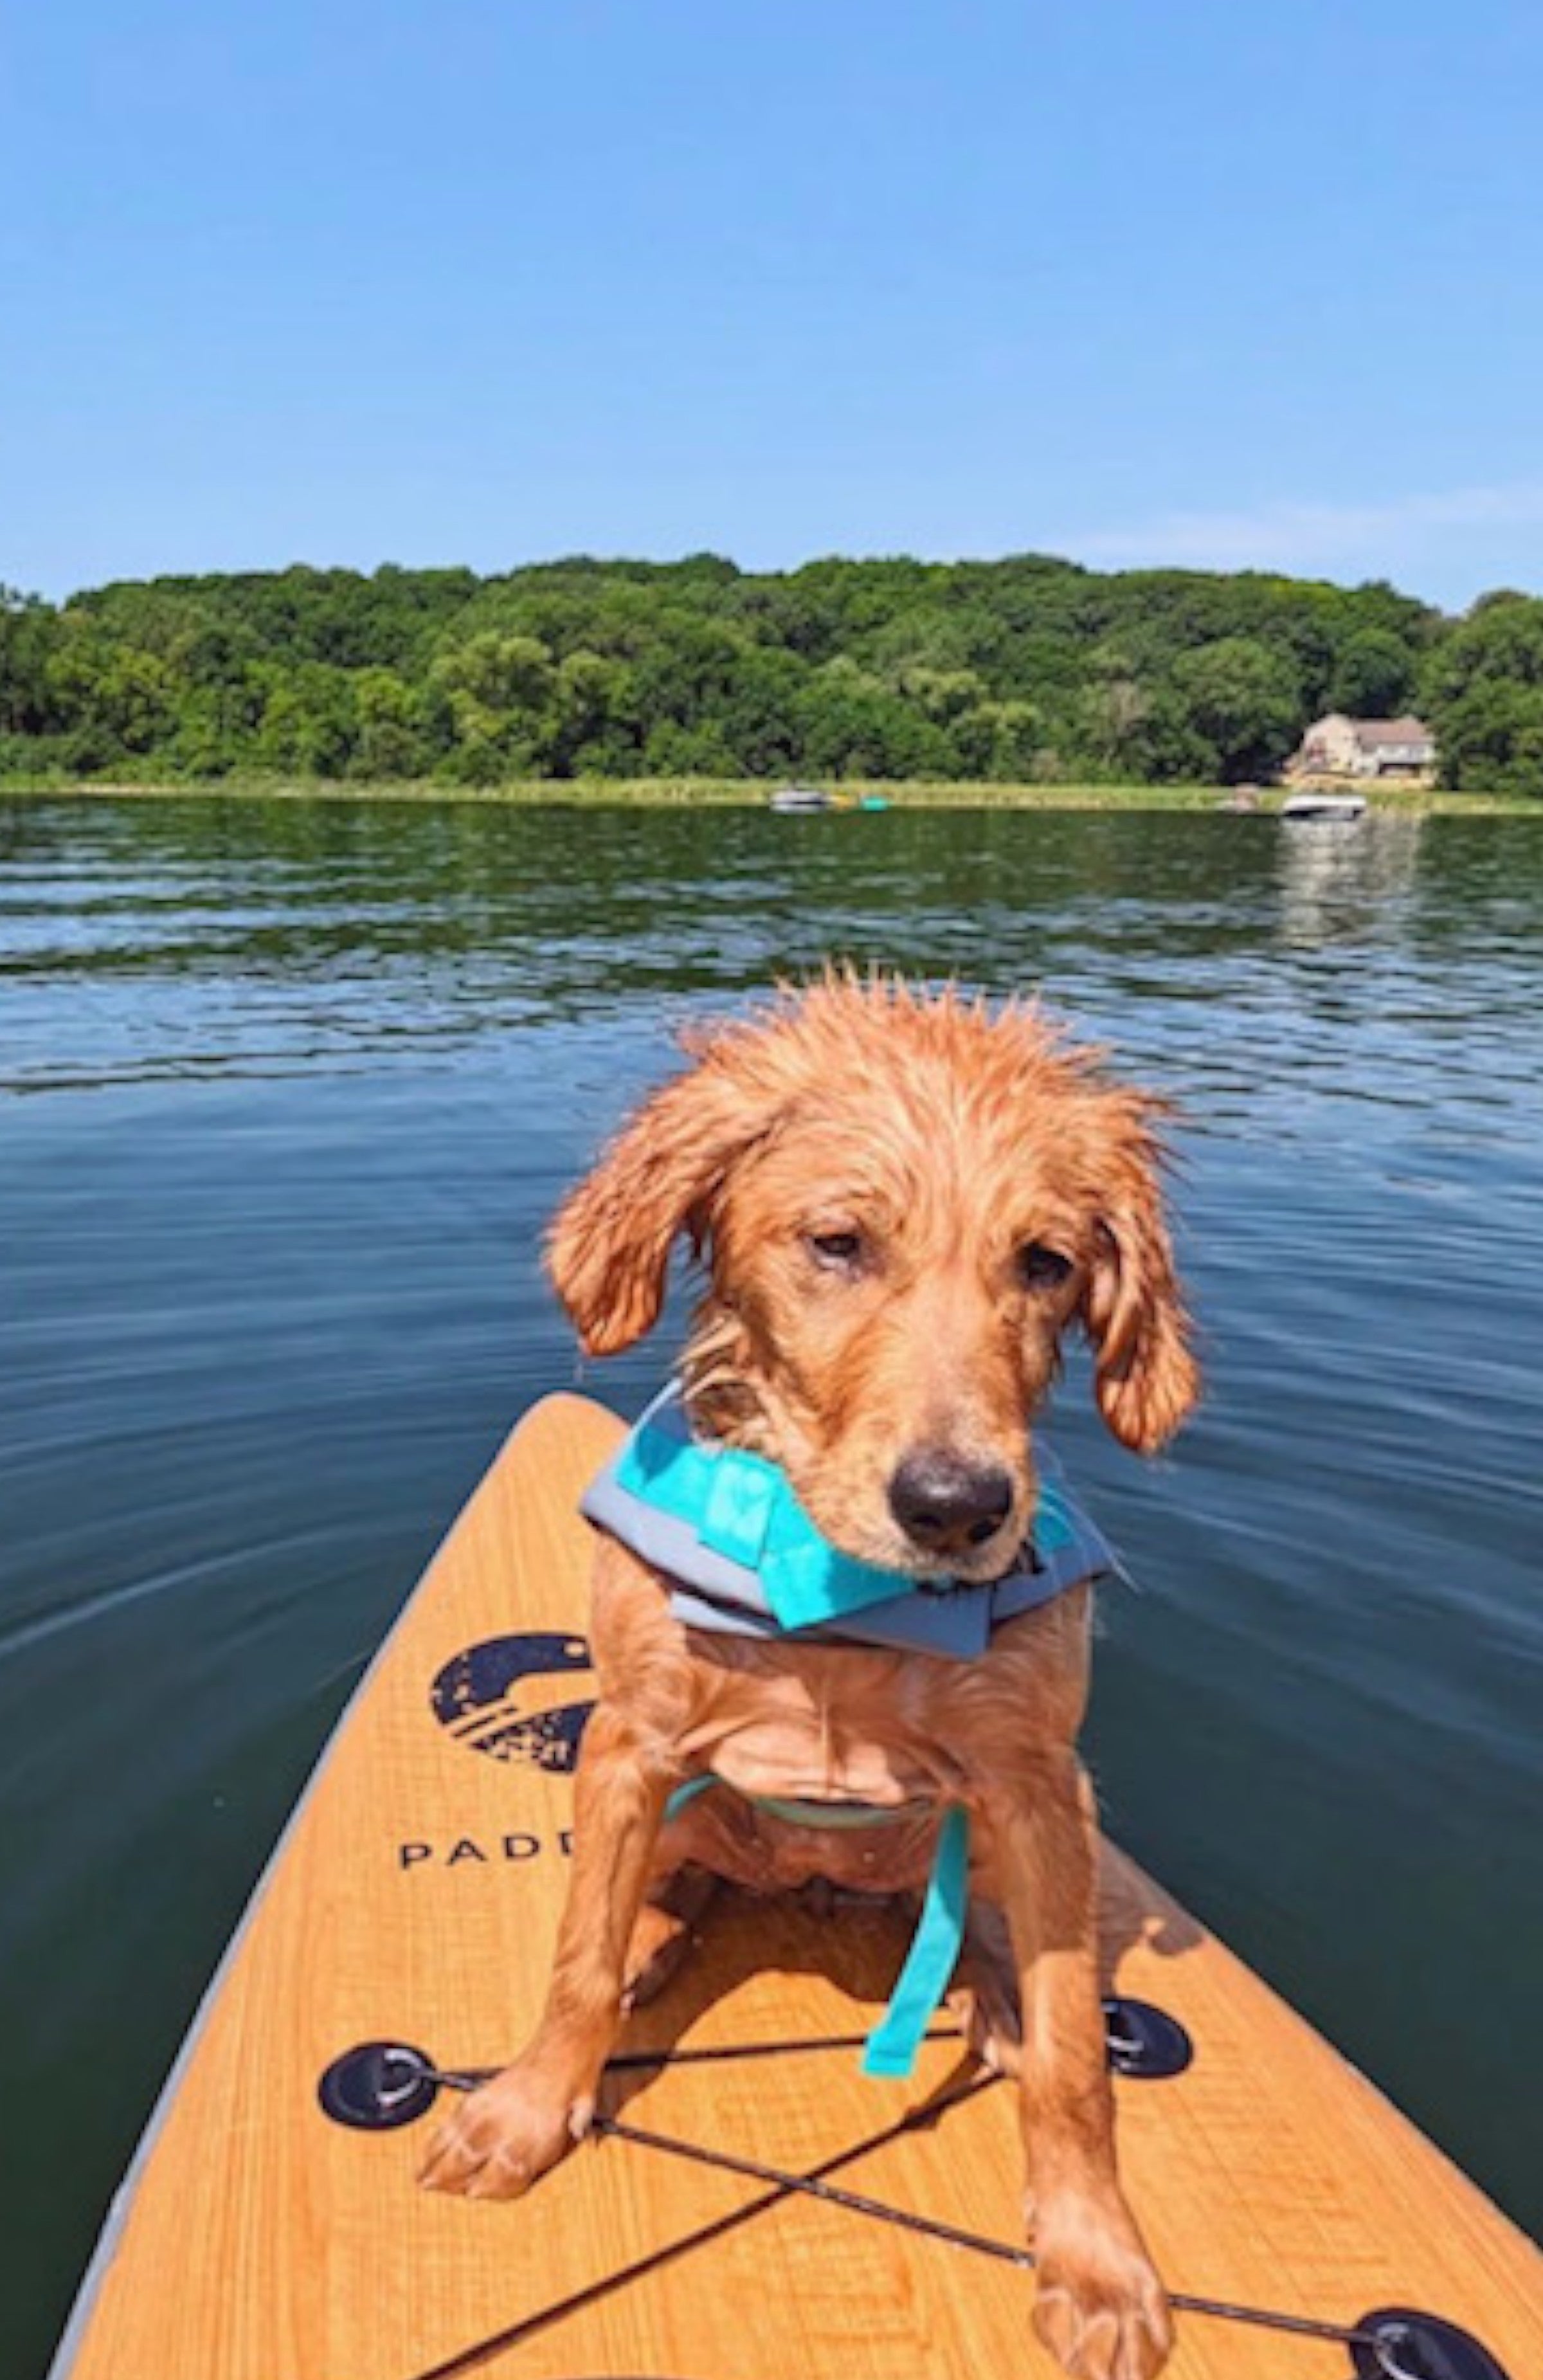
793,800
1343,808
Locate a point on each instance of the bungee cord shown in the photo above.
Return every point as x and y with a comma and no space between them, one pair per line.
781,2183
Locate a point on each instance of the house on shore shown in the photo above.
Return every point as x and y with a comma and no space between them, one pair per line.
1338,746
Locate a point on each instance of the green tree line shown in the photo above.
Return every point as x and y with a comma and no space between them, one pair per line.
1021,670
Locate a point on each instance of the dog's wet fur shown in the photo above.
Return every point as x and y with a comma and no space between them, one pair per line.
903,1203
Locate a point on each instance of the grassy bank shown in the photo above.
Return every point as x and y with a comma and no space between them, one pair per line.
726,792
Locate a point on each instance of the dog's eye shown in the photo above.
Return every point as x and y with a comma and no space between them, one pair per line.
1042,1267
836,1251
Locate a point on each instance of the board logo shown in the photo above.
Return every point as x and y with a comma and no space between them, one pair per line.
505,1697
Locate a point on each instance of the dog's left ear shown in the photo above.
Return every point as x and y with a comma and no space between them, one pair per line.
1146,1379
609,1248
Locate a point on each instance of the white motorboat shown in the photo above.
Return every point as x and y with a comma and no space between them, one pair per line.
794,798
1345,808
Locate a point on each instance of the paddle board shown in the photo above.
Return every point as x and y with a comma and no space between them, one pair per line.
271,2226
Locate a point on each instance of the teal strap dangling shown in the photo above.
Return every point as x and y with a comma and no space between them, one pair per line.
935,1947
934,1952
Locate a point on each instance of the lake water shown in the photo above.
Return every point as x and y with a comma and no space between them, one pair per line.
289,1091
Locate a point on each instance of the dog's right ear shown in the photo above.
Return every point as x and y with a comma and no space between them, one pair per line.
610,1244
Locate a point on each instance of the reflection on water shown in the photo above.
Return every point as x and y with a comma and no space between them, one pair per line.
1340,881
295,1089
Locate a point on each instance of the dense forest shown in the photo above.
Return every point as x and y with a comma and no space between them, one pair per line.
1023,670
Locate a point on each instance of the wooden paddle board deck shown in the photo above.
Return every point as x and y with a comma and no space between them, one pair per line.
414,1899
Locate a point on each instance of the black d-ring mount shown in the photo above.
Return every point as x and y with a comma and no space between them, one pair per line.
1400,2343
379,2086
1145,2041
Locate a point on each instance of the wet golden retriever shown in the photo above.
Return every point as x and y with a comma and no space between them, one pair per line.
903,1202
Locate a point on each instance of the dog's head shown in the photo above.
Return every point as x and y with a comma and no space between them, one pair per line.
904,1201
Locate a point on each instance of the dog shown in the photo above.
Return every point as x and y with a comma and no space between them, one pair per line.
903,1202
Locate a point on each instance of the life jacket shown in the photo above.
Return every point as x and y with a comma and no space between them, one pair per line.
742,1558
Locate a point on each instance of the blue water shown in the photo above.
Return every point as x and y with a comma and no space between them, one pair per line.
286,1094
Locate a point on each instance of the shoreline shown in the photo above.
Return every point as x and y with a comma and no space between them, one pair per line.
708,792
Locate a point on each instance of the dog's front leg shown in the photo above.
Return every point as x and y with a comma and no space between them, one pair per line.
505,2136
1099,2306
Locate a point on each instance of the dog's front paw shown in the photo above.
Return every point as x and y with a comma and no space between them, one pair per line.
1099,2306
505,2136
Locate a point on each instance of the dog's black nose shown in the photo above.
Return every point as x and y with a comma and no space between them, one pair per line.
947,1505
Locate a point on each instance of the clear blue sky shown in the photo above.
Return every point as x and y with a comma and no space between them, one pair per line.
352,281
